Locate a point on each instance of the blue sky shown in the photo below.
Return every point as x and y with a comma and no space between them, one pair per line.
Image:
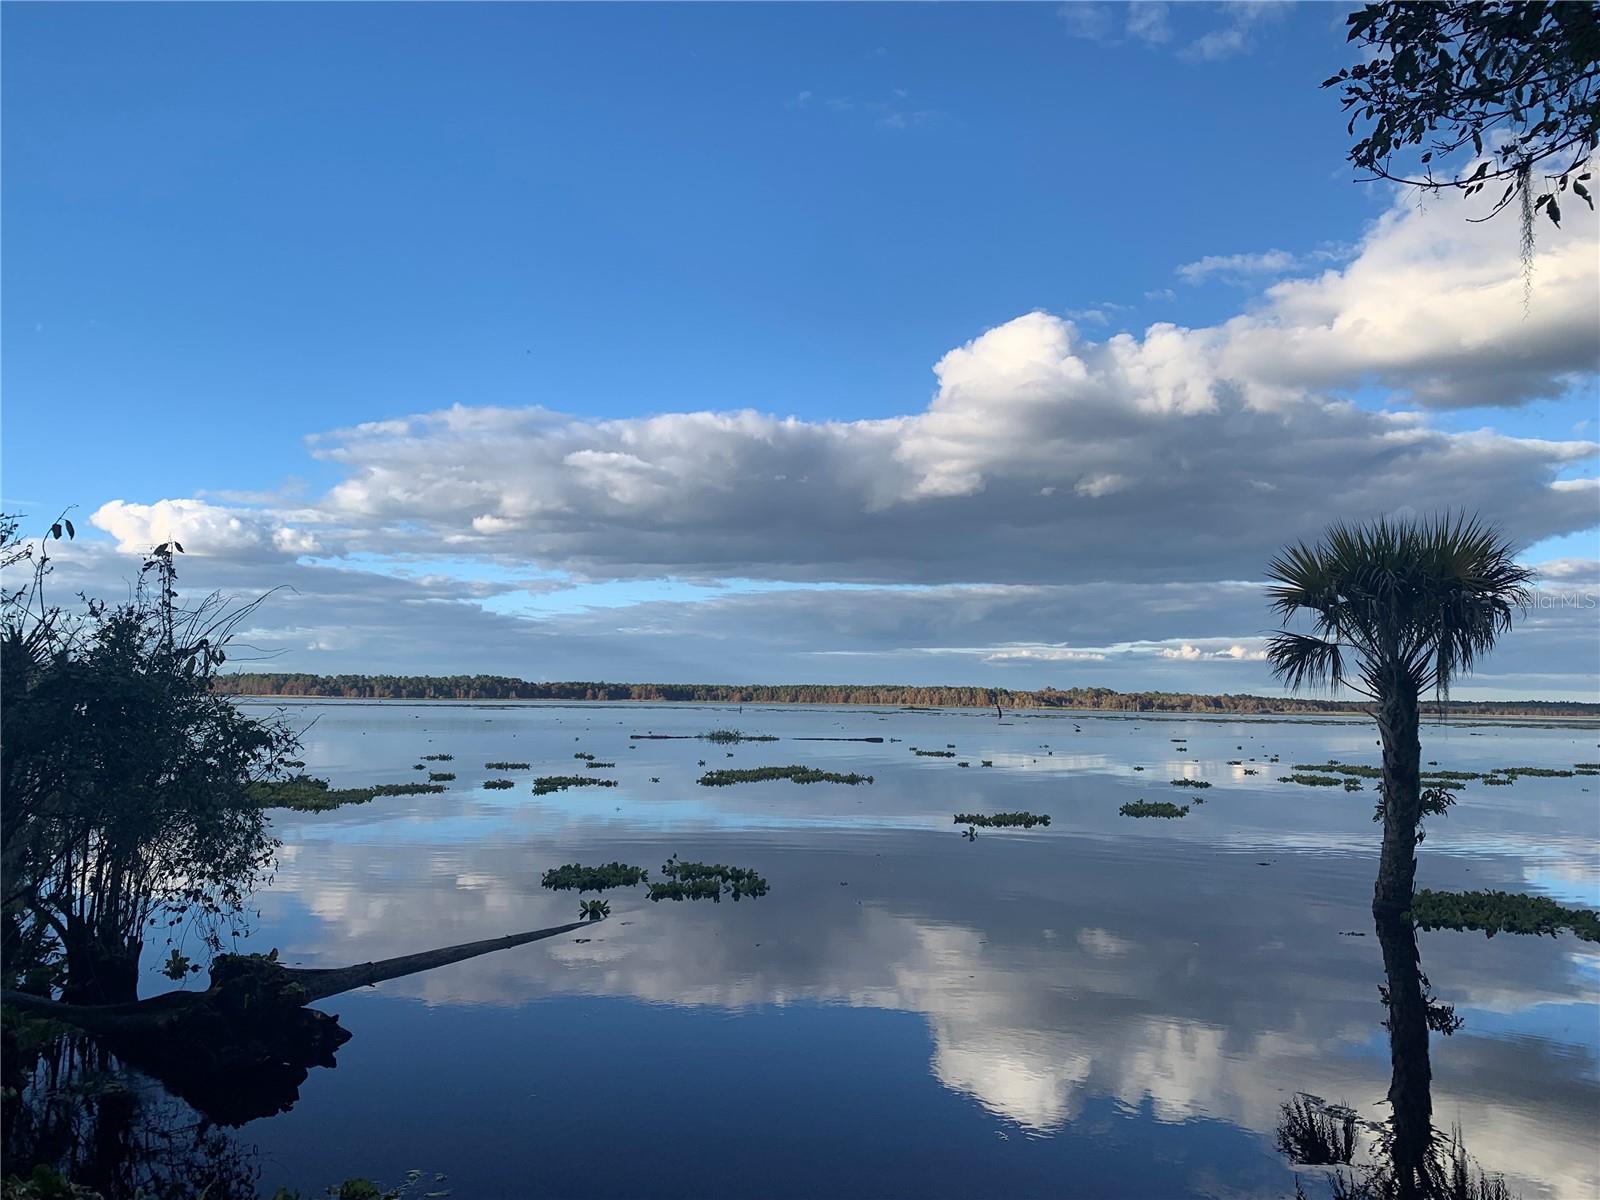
230,228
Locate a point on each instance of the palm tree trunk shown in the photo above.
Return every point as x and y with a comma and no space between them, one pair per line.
1398,722
1411,1078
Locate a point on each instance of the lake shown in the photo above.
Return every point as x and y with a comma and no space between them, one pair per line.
1106,1006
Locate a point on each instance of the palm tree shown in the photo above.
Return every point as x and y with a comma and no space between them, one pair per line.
1397,608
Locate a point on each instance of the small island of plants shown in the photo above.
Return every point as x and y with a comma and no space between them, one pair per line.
794,774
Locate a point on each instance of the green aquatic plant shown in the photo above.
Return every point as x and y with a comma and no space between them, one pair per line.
730,736
593,910
419,766
1537,772
700,881
1352,785
405,789
1005,820
1312,780
594,765
545,784
987,762
440,776
1498,781
1502,912
498,785
583,754
1189,783
437,757
1160,808
577,877
795,774
933,753
507,766
304,793
1339,768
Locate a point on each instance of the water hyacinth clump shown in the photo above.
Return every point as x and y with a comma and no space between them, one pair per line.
729,736
593,765
794,774
577,877
1312,780
304,793
1190,783
700,881
498,785
1339,768
1538,772
440,776
507,766
545,784
1502,912
1005,820
437,757
933,753
1160,808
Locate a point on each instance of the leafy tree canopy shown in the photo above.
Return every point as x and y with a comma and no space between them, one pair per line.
1517,83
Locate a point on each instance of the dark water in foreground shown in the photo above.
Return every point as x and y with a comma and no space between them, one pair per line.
1106,1007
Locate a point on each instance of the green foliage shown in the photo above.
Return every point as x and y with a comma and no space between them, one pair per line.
1005,820
1338,768
44,1183
729,736
592,765
699,881
593,910
794,774
507,766
441,776
545,784
1536,772
305,793
1312,780
933,753
1160,808
1413,601
575,876
1189,783
438,757
498,785
126,778
1502,912
1515,82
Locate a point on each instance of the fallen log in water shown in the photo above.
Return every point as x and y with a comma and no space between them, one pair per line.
241,1049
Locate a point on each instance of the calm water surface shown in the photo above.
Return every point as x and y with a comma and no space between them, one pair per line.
1106,1007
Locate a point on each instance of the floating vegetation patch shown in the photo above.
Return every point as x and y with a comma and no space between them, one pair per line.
1010,820
440,776
303,793
1502,912
1316,1134
794,774
1537,772
545,784
699,881
577,877
730,736
1160,808
593,765
1312,780
507,766
593,910
1194,783
583,754
437,757
498,785
933,753
1339,768
1499,781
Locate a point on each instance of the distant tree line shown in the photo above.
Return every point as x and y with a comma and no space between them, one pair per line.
503,687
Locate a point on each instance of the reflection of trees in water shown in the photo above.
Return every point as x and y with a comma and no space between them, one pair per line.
1411,1160
73,1105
